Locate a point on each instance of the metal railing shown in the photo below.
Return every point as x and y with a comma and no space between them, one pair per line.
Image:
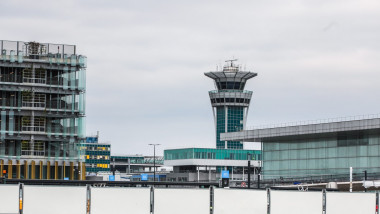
230,91
59,50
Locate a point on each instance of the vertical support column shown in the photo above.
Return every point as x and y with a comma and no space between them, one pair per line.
197,173
232,170
56,170
64,170
26,170
83,171
243,174
18,169
41,172
33,170
209,174
71,171
1,168
129,166
48,170
10,169
79,171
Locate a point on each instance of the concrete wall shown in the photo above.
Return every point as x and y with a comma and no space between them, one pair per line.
81,200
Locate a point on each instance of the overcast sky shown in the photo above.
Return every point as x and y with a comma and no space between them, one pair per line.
146,59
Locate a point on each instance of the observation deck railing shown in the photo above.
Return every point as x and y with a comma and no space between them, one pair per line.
230,91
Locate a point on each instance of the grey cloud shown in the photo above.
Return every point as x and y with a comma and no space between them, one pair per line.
146,59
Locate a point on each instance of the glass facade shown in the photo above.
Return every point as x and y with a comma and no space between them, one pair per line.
208,153
138,159
42,96
97,156
322,155
230,122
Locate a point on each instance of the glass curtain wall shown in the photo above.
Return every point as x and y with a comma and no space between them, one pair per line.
204,153
322,156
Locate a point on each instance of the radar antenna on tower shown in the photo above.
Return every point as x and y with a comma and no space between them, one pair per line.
231,61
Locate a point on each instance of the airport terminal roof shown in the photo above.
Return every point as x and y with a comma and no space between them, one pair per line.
302,129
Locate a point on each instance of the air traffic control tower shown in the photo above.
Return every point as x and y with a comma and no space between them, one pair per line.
230,102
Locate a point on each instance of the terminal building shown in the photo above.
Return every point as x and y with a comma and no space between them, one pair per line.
136,164
230,104
42,97
323,149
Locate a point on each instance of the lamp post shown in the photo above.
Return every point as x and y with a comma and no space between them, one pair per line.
154,159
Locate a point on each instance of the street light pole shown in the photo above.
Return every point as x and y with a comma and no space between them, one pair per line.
154,159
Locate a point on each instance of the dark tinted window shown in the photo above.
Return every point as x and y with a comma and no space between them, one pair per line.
230,85
239,100
352,139
220,100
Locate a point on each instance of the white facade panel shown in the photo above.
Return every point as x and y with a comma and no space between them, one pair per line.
227,201
119,200
350,203
57,200
9,198
296,202
184,201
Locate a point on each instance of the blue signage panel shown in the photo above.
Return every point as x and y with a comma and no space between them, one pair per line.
66,178
111,178
144,177
91,139
225,174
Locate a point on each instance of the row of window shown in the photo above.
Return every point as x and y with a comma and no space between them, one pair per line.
230,85
230,100
98,157
220,154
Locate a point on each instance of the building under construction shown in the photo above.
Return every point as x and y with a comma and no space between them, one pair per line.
42,96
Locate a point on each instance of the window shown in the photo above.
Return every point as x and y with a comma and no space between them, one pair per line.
231,85
36,100
38,77
37,126
352,139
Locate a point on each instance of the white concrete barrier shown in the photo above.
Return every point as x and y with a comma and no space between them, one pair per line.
295,202
115,200
183,201
9,198
227,201
54,199
350,203
120,200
